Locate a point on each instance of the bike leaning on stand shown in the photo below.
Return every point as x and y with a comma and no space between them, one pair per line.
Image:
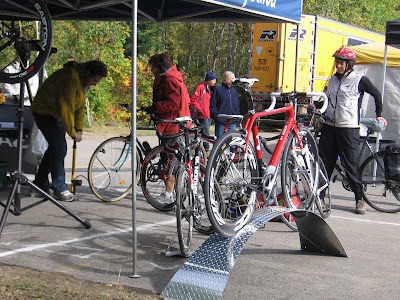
237,181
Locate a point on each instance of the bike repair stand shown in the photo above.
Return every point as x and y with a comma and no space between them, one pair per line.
74,182
18,178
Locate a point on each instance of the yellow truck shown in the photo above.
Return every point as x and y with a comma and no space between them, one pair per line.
273,53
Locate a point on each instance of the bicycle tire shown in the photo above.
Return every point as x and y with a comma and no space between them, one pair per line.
184,210
152,180
299,171
203,154
201,220
323,195
229,184
23,37
380,193
110,169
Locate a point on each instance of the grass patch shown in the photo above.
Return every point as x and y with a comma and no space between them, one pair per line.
24,283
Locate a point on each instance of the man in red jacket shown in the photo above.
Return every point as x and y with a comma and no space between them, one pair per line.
201,102
170,100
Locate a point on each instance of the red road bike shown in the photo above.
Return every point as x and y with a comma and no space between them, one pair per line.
237,180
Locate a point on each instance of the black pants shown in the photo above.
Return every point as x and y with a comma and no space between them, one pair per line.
344,142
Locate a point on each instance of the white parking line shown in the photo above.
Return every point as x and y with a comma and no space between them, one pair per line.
366,221
91,237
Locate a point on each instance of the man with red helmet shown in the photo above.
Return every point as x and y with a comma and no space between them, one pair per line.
340,134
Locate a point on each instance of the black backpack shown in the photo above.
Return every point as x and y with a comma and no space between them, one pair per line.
391,160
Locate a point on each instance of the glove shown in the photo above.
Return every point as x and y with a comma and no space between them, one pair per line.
150,109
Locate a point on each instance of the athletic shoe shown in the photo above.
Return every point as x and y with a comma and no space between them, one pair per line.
64,196
164,199
360,207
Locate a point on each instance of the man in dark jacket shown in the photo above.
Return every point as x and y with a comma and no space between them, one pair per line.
224,100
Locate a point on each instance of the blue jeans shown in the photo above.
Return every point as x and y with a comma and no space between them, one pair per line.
53,159
219,128
206,123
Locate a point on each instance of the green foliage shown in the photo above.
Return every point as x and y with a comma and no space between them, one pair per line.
149,39
145,84
368,14
96,40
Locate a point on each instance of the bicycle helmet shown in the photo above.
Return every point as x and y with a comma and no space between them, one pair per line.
345,54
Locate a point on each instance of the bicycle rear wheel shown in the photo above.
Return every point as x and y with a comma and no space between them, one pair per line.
229,186
184,210
380,193
157,166
299,171
19,24
110,169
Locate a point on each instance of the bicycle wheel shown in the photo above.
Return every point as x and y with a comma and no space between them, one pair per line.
203,154
230,178
323,194
299,171
110,169
378,192
184,210
201,221
20,22
157,166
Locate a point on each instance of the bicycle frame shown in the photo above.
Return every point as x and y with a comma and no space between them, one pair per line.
290,126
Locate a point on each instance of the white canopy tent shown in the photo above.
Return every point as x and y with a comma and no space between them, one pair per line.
381,64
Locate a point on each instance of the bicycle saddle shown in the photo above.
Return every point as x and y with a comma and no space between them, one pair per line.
183,119
249,81
230,117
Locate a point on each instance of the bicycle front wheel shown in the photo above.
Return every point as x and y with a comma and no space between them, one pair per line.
201,221
110,169
230,181
299,171
184,210
20,23
323,195
157,166
380,193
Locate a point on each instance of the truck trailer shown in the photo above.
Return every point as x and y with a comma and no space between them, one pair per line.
273,51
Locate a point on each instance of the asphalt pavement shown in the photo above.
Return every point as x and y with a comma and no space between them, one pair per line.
271,265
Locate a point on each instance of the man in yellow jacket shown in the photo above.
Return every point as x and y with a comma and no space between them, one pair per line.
59,108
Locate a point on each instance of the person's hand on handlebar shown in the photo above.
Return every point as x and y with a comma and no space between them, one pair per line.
382,119
149,109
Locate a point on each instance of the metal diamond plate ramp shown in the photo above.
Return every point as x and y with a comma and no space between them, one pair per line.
205,274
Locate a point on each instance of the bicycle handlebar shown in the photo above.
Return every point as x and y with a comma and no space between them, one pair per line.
295,95
320,95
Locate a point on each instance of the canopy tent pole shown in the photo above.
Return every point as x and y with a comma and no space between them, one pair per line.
133,140
378,135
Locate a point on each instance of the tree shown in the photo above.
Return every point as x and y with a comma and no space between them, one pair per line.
368,14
